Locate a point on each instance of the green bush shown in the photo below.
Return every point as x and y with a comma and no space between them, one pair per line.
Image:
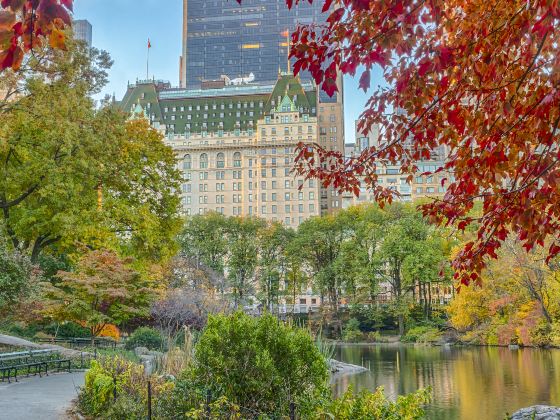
19,329
96,397
145,337
375,337
541,334
555,334
250,368
260,365
351,332
67,330
367,405
422,334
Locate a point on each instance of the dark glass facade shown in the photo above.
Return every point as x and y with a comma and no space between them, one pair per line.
225,38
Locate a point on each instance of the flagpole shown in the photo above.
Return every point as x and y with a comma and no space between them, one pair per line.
148,62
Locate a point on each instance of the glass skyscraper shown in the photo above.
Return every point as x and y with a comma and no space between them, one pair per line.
83,31
223,38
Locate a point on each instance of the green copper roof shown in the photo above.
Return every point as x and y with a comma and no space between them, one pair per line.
227,109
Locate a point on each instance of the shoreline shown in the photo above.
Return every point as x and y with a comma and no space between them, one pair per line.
456,344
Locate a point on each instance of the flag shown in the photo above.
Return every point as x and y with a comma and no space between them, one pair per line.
149,43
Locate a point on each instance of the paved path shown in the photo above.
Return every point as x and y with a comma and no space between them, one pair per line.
45,398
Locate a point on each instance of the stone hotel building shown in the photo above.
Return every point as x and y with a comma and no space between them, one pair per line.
236,145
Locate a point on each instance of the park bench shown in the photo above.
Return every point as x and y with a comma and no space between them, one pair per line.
34,362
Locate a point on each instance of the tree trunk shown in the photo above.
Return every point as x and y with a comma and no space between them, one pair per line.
401,324
429,306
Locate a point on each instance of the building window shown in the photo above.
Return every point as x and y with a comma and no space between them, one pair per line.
187,162
237,160
203,161
220,161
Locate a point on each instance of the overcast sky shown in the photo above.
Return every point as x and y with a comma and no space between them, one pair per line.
122,27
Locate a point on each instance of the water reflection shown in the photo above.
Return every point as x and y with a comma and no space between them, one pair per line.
468,383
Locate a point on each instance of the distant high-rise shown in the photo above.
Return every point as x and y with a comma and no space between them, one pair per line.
83,31
223,38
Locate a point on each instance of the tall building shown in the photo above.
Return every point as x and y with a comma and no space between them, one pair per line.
227,44
83,31
236,145
251,40
390,176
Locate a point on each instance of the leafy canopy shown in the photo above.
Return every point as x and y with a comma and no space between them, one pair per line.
475,80
103,290
73,173
27,24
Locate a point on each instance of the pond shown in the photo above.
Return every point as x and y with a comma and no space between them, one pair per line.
467,382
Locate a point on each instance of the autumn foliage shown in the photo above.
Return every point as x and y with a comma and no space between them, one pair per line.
27,24
474,80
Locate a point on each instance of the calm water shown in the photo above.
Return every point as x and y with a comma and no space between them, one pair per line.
468,383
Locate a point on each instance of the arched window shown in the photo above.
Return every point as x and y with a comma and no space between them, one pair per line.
187,162
237,160
220,161
203,161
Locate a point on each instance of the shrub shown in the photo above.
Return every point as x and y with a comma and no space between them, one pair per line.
422,334
351,332
96,398
555,334
541,334
375,337
67,330
368,405
145,337
260,365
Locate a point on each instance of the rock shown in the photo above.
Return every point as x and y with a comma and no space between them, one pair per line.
513,347
537,412
149,363
337,367
139,351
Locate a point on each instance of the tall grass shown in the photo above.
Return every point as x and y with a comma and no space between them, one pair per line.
326,347
179,355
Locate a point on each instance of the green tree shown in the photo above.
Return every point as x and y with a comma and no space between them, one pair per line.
406,237
272,242
243,256
17,278
204,239
356,263
72,173
103,290
320,240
